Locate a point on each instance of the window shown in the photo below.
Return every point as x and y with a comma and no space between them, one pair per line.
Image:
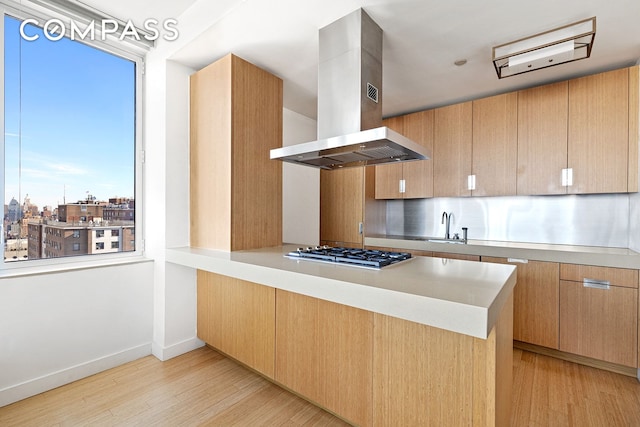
99,246
65,103
99,233
115,233
115,245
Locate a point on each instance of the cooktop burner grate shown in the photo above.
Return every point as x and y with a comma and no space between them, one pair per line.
350,256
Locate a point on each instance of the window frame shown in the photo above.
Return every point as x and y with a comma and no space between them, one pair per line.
112,46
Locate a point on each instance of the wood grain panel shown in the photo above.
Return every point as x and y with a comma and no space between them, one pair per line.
616,276
495,145
235,190
536,302
387,177
238,318
598,138
418,175
599,323
452,150
342,205
542,139
210,156
493,372
388,181
324,352
634,127
256,212
414,363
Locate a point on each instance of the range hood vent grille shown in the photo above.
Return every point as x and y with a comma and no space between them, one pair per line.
372,92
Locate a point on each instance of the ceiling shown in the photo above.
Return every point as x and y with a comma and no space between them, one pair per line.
422,40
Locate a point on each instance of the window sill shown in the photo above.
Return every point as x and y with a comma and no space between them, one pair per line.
33,270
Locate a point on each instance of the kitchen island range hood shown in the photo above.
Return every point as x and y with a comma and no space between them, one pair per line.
350,131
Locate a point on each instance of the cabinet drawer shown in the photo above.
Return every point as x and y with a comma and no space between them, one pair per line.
625,277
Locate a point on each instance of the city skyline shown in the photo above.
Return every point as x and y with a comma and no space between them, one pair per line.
69,121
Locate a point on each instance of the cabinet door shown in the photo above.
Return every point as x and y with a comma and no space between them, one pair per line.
599,323
452,150
387,181
495,145
599,132
418,175
342,205
542,139
238,318
535,301
324,352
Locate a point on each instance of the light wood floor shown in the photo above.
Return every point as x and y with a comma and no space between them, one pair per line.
205,388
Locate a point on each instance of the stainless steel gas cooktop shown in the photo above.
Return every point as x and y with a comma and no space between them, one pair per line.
349,256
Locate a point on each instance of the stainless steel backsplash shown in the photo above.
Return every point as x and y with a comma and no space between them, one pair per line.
591,220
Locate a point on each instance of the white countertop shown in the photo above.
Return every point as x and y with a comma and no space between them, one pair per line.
460,296
570,254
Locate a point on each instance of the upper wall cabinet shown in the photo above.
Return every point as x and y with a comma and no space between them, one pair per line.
235,190
603,132
408,180
495,146
542,139
452,150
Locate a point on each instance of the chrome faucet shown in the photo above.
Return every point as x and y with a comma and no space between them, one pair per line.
446,217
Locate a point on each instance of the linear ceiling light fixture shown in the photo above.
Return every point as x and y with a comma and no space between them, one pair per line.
565,44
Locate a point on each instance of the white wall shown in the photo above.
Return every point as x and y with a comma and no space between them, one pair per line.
300,185
58,327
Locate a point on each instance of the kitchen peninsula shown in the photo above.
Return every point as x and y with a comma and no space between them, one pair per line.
423,340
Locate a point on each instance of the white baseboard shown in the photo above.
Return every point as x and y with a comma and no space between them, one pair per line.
169,352
50,381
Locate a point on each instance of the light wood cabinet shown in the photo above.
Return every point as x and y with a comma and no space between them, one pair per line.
452,153
324,353
238,318
428,376
603,132
535,301
495,145
542,139
408,180
342,206
599,320
235,190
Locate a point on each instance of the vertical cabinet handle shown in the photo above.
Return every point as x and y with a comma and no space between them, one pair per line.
360,228
403,186
471,182
567,177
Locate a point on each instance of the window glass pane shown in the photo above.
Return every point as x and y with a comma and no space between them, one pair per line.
69,144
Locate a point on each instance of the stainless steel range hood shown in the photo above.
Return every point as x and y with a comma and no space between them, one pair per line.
350,131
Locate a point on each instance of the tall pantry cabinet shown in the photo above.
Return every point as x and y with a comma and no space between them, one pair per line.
236,191
236,201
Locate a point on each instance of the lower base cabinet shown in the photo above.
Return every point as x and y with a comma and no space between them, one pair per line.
323,352
368,368
535,301
238,318
599,323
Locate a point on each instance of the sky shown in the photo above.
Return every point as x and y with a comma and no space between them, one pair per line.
69,120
